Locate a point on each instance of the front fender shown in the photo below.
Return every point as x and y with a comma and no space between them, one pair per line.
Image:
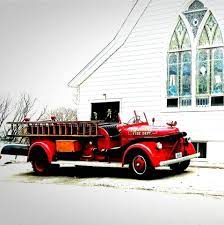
144,147
190,149
47,146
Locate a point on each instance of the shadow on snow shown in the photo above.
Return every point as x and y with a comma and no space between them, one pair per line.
99,172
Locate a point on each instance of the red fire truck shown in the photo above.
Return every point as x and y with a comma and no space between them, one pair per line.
139,144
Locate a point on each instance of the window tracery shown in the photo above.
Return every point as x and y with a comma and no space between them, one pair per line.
195,15
208,71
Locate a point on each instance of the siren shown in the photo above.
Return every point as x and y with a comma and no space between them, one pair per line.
53,117
26,119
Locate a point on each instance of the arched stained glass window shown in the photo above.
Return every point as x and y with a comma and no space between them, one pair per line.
210,65
179,65
208,50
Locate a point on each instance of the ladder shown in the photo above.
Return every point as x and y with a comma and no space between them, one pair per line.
54,128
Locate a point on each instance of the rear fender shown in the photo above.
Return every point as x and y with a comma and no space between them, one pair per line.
139,146
47,146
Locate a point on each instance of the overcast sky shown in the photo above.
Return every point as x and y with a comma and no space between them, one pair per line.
45,43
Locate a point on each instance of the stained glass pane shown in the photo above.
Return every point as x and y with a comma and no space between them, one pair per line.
186,74
180,38
173,43
180,32
203,72
195,15
211,34
204,41
217,71
210,27
196,5
186,42
172,83
217,40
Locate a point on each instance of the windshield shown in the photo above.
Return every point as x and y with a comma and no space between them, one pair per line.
138,118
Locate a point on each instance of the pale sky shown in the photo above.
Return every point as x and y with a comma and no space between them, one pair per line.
45,43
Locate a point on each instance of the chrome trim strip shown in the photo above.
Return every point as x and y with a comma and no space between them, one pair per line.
65,163
173,161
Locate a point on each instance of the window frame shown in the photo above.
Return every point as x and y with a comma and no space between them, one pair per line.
209,48
180,51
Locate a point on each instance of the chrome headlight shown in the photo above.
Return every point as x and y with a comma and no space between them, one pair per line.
159,145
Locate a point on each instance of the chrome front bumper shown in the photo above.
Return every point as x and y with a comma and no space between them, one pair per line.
173,161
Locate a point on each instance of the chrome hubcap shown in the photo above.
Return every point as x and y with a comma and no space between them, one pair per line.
139,165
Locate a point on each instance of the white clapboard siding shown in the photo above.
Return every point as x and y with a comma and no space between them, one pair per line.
136,74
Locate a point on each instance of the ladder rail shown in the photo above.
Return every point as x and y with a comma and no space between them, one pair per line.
54,128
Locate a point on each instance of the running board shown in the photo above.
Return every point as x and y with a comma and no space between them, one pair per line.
65,163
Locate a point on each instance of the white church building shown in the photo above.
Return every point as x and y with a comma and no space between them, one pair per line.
167,60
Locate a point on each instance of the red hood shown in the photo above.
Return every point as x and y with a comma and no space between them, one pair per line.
163,130
147,130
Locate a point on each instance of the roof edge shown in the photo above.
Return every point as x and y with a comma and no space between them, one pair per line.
114,45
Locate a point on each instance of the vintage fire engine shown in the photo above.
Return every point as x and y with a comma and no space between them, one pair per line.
141,146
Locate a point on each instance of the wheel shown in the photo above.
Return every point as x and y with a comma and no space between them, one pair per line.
140,166
180,167
40,163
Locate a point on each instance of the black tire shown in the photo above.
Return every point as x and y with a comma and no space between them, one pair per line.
180,167
140,166
40,163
